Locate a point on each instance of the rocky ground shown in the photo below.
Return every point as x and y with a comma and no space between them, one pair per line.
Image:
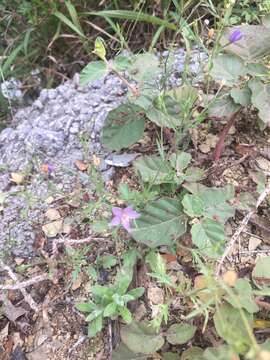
38,154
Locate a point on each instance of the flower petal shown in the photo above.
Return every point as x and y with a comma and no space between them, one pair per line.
117,211
125,223
115,221
132,214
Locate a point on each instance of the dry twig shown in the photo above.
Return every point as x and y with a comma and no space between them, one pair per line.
241,228
27,297
24,284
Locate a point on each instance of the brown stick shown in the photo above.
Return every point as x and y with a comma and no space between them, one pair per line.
220,144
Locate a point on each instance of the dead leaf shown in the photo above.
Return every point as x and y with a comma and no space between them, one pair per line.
245,149
253,243
155,295
52,214
53,228
209,143
200,283
81,165
263,355
230,278
96,160
77,283
18,178
169,257
12,312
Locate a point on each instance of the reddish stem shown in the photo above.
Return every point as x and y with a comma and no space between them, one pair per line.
220,144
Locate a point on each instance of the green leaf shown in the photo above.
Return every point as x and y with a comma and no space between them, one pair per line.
110,310
261,272
161,223
122,352
243,296
95,326
260,98
193,205
154,170
126,314
136,293
222,352
165,112
228,68
123,279
214,200
193,174
254,45
226,320
185,95
241,96
222,107
94,314
124,127
170,356
257,70
193,353
122,63
180,333
93,71
107,261
145,67
209,236
141,338
180,161
77,29
85,307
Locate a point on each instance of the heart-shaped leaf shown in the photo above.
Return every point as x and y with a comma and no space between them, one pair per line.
165,112
180,333
124,127
241,96
93,71
209,236
222,107
141,338
228,68
161,223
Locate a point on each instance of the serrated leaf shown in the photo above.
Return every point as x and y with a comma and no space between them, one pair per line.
226,320
241,96
193,353
243,296
260,98
161,223
254,44
261,272
215,201
180,333
193,205
124,127
93,71
122,352
95,326
209,236
222,107
228,68
222,352
154,170
141,338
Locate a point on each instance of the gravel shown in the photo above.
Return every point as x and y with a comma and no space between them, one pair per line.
61,126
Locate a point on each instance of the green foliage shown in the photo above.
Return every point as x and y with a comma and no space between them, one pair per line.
178,334
261,272
161,223
158,268
124,127
111,301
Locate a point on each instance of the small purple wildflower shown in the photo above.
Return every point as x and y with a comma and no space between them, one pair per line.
123,217
235,36
51,168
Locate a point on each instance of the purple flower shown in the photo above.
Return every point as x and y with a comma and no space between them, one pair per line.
236,35
123,217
